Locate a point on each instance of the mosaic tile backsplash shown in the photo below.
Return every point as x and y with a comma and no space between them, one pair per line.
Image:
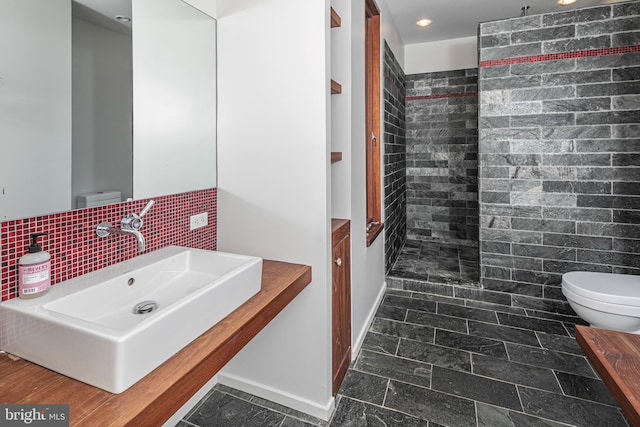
76,249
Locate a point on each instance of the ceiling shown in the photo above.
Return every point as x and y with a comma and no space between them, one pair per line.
104,12
459,18
452,19
109,8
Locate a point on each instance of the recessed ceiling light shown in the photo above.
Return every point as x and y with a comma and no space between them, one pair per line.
123,18
424,22
566,2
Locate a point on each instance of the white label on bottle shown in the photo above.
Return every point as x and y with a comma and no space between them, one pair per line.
34,278
29,279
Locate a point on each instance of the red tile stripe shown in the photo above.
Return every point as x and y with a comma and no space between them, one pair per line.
76,249
444,95
563,55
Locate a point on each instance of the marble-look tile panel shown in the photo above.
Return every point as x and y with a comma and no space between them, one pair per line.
516,373
475,387
409,303
559,343
437,321
585,388
467,313
504,333
486,346
431,405
224,410
569,410
492,416
544,358
351,412
397,368
403,330
548,326
362,386
380,343
294,422
435,355
391,312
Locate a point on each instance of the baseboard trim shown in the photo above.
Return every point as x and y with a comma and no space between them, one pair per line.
355,348
280,397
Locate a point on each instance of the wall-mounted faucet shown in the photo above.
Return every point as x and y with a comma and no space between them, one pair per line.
130,224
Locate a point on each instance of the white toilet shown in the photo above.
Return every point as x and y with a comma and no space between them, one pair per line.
605,300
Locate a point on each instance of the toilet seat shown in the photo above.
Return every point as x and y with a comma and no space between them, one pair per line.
617,289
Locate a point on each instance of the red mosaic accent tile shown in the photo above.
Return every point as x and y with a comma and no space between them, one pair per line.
444,95
76,249
563,55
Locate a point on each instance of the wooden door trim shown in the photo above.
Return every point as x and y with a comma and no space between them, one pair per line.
373,136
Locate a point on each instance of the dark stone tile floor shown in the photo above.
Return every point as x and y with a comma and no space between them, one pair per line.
443,360
437,262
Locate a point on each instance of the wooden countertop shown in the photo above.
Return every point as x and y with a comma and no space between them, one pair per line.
155,398
616,358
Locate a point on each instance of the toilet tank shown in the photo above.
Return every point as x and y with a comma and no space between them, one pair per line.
98,198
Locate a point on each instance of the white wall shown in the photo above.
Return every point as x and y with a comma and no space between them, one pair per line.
102,111
174,93
274,177
341,112
35,107
273,186
367,263
444,55
207,6
389,32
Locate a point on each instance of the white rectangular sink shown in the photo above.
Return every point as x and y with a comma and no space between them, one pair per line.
111,327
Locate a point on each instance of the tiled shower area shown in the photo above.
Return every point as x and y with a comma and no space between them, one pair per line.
435,176
515,172
524,168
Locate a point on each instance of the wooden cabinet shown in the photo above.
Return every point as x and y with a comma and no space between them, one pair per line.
341,300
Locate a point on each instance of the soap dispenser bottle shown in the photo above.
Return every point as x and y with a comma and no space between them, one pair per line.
34,270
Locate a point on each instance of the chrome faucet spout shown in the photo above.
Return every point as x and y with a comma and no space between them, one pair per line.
138,235
130,224
105,229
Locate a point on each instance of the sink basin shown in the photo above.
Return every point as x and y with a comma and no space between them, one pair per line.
111,327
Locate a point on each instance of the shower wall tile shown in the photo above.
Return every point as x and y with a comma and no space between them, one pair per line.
559,156
395,159
442,150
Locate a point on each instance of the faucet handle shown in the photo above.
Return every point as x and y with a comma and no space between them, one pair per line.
146,208
133,221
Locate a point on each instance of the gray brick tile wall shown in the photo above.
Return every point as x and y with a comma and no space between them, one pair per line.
395,158
442,168
559,149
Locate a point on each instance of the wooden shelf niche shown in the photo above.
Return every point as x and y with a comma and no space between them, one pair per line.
335,87
335,19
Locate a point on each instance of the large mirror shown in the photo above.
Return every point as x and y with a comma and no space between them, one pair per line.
89,104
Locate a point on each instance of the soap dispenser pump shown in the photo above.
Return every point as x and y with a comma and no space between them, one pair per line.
34,270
